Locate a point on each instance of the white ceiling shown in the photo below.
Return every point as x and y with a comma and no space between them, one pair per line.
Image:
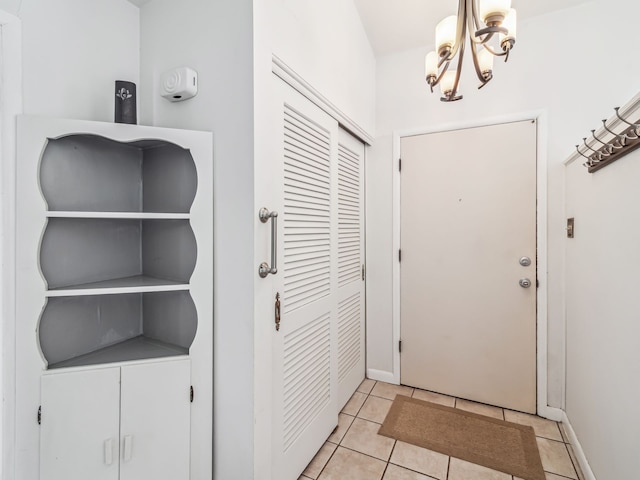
398,25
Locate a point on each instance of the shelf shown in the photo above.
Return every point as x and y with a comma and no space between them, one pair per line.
76,252
93,173
138,348
123,215
134,284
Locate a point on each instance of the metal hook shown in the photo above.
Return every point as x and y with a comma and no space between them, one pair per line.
620,138
578,150
584,140
608,148
635,127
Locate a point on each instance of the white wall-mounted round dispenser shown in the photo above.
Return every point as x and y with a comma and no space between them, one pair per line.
179,84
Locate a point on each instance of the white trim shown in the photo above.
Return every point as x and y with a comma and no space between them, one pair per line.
540,116
552,413
577,448
380,376
11,106
290,76
629,109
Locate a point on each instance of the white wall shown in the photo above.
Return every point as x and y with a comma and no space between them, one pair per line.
561,65
72,53
325,43
215,39
603,331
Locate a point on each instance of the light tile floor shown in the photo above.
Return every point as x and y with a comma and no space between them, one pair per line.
355,451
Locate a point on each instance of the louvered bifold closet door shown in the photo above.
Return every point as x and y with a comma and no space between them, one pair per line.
351,349
305,353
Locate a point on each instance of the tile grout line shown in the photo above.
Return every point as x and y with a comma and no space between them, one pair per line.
575,469
327,463
395,442
448,467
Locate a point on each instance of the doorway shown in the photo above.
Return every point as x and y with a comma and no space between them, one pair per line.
468,271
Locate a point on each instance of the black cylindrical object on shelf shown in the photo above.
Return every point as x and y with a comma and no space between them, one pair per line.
125,103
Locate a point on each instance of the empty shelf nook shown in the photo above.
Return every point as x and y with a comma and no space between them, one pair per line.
96,329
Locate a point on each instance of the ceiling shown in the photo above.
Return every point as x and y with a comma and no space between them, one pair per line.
398,25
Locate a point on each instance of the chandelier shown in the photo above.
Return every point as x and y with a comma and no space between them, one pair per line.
498,20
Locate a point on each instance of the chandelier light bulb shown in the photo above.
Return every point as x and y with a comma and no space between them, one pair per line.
510,23
446,84
431,65
494,11
446,34
485,61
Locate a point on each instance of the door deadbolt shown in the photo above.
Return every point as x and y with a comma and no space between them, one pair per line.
525,261
525,282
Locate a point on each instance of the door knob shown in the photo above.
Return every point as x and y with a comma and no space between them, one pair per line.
525,282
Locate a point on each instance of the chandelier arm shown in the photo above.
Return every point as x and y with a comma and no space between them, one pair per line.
494,53
462,30
476,64
474,17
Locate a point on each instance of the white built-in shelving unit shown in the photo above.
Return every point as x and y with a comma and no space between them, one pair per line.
114,281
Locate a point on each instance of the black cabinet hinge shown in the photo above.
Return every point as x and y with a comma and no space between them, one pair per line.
191,393
399,255
399,164
40,415
400,346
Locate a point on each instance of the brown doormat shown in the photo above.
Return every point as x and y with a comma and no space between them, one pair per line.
503,446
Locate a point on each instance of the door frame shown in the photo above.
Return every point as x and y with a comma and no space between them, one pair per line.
11,98
540,117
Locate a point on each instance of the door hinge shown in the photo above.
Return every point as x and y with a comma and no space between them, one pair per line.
537,283
400,255
399,164
191,393
40,415
400,346
363,272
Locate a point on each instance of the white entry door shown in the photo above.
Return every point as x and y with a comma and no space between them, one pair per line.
318,346
468,219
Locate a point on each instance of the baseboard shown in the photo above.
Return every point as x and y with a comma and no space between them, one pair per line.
577,448
381,376
551,413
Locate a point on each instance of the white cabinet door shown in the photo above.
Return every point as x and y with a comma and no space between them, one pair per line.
305,346
155,421
350,289
80,425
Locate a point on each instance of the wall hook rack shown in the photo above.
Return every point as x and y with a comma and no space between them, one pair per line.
618,136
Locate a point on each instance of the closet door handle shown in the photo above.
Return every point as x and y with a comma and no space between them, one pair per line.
108,451
264,269
126,450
